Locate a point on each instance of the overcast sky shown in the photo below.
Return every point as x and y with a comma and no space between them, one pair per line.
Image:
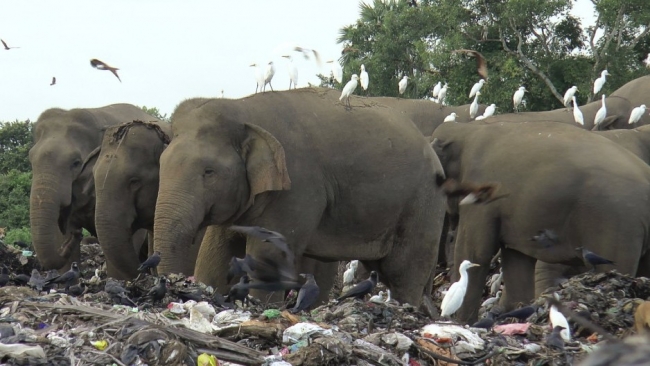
167,50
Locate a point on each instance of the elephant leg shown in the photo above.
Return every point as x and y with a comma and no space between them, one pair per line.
324,274
218,246
644,265
549,275
518,278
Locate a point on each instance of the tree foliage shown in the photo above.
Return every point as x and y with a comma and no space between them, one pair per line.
15,142
156,113
537,44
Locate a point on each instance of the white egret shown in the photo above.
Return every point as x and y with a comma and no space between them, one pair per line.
337,70
442,94
577,113
601,114
491,300
456,294
473,108
268,75
599,82
477,87
377,298
293,71
518,97
478,118
556,318
495,282
647,61
636,114
389,299
349,88
489,111
450,118
259,77
348,275
436,90
364,78
306,52
569,94
402,84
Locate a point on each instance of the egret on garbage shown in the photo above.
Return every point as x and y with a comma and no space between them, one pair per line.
477,87
377,298
364,78
337,71
259,77
442,94
495,282
569,94
473,108
577,113
636,114
402,84
389,298
268,75
456,294
348,275
436,90
558,320
349,89
489,111
450,118
293,72
599,82
518,97
491,300
601,114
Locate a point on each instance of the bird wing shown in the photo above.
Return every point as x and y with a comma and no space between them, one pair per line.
362,287
308,293
451,300
96,63
3,43
481,62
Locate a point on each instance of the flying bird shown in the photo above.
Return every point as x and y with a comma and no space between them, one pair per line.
337,70
150,263
636,114
593,258
577,113
308,293
473,108
450,118
476,88
520,314
599,82
364,78
471,193
402,84
293,71
268,75
5,45
556,318
306,52
554,339
481,63
67,279
362,288
545,237
100,65
349,89
53,81
240,266
518,97
436,90
601,114
568,95
456,294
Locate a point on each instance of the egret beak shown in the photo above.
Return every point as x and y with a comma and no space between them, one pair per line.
579,248
474,265
303,275
469,199
286,56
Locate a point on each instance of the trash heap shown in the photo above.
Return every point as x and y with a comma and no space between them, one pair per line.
190,326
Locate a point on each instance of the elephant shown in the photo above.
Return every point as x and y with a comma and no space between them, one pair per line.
126,188
62,197
547,178
339,184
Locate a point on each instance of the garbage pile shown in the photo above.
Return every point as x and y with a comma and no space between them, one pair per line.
191,324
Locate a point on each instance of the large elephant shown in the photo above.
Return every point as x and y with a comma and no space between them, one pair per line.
339,184
126,188
62,198
589,190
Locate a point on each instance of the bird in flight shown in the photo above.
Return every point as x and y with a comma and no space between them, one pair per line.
100,65
481,63
5,45
53,81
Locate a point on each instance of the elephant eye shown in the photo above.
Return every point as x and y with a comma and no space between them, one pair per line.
76,164
208,172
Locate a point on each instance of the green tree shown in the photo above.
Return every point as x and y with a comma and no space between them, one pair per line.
14,199
156,113
15,142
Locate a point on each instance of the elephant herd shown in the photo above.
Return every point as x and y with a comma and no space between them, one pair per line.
343,184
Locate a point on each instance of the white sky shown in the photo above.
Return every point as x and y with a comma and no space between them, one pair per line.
167,50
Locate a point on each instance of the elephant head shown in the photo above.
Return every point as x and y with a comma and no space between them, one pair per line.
126,185
210,174
62,194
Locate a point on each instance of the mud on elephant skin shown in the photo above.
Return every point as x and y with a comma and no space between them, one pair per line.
126,177
553,182
338,184
62,197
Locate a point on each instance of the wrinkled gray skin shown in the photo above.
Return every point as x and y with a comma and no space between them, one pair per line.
339,184
62,197
636,141
554,182
126,188
426,115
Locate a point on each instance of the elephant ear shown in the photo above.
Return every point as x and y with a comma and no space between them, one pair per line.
86,175
265,162
439,146
608,123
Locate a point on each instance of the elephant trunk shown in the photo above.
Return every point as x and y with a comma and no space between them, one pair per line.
116,239
44,211
177,220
